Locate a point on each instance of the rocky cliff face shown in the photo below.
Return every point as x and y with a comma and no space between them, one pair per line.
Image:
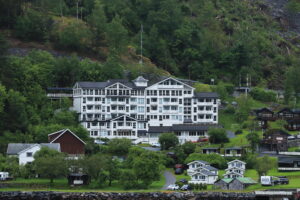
277,9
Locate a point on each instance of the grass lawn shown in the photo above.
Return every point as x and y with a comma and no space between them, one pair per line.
228,121
62,185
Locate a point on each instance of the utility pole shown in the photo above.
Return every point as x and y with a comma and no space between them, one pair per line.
141,60
77,9
247,85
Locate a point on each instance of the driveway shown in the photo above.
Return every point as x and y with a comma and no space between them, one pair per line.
170,179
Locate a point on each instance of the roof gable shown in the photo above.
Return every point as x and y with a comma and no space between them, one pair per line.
62,133
236,161
198,161
15,148
173,79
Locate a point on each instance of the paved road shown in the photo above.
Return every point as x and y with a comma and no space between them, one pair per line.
170,179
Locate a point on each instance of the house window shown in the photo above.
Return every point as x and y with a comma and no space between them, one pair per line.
29,154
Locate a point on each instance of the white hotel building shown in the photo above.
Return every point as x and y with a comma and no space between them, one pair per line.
140,110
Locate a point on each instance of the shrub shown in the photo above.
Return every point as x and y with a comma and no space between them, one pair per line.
229,109
217,136
263,95
237,132
33,26
74,36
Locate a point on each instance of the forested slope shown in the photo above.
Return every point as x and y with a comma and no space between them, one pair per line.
196,39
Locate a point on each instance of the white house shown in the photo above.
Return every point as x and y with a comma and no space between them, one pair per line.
201,172
203,176
196,164
25,152
142,109
236,169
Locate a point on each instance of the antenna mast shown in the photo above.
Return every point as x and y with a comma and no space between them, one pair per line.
141,60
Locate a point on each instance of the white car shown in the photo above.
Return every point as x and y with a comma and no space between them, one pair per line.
173,187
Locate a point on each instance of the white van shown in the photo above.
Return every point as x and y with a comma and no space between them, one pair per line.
4,176
268,180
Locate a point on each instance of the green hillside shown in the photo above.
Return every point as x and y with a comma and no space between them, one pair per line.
196,39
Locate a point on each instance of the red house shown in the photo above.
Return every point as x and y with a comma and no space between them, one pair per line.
69,142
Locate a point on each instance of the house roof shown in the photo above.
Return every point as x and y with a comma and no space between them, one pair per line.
246,180
210,168
236,160
159,129
199,161
16,148
181,127
213,95
288,160
226,180
204,172
234,148
275,131
240,174
263,109
211,148
140,79
61,132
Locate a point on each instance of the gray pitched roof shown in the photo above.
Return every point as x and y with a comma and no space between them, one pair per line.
210,168
181,127
92,84
15,148
288,160
205,172
206,95
140,79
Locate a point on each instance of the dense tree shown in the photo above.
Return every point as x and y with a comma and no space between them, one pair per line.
217,136
253,139
264,164
33,26
98,21
168,140
117,36
188,147
94,165
119,146
50,164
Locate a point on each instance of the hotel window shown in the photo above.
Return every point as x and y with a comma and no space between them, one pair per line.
84,100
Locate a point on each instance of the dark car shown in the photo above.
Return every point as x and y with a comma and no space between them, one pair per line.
178,171
283,180
183,180
186,187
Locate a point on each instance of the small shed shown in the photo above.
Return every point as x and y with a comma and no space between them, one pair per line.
234,184
222,183
240,183
78,179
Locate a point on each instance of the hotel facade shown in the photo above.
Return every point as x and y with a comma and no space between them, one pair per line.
141,110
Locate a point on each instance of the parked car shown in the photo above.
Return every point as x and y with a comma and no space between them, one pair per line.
179,166
203,140
183,180
292,137
269,180
173,187
4,176
186,187
283,180
178,171
155,144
